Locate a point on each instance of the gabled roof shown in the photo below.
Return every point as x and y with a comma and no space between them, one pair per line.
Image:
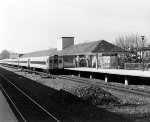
79,49
100,46
40,53
105,46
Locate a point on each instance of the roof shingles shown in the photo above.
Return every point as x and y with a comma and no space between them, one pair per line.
79,49
105,46
40,53
100,46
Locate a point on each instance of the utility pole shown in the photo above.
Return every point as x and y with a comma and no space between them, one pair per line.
143,51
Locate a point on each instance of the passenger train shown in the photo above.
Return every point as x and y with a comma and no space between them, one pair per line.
38,60
46,63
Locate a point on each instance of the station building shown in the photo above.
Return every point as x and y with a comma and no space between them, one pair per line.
96,54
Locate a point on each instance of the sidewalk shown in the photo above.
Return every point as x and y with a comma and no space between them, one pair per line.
6,114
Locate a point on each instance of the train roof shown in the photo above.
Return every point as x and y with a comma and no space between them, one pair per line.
48,52
100,46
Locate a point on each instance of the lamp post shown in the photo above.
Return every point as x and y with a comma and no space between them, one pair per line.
142,51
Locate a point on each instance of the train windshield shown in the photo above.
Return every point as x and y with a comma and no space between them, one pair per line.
55,61
50,61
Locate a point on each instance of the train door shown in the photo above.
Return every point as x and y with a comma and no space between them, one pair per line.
55,63
60,63
50,63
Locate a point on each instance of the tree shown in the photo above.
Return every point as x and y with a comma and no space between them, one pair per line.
4,54
132,43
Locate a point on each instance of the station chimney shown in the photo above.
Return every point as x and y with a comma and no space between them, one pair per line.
64,42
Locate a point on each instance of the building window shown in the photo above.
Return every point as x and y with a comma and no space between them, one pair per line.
146,54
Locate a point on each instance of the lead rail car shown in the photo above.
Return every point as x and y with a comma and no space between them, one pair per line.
45,63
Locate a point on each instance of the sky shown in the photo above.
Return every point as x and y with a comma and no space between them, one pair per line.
33,25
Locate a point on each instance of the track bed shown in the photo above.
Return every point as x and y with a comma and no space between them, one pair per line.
63,105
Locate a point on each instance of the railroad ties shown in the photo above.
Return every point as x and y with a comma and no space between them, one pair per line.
24,107
64,106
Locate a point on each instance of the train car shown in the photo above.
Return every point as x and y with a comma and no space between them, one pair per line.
56,62
1,61
9,61
39,62
5,61
15,62
46,63
24,62
60,62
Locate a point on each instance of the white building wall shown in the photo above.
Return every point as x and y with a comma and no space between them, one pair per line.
59,44
64,42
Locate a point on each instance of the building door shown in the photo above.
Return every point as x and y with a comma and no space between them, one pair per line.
83,63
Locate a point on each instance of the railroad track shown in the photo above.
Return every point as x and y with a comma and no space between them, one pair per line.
25,108
98,82
102,84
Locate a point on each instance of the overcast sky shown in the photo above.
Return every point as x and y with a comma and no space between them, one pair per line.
31,25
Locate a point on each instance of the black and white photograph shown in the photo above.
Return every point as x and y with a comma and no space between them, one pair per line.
74,60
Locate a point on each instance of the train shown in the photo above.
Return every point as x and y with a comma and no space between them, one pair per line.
45,63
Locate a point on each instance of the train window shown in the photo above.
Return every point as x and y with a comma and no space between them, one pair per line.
50,61
60,61
22,61
38,62
55,60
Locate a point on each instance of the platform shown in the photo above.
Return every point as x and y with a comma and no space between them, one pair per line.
121,72
6,114
137,73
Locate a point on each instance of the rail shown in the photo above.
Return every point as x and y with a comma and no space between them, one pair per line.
18,111
98,82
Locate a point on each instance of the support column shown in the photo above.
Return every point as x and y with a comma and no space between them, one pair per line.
117,62
78,61
90,65
106,78
126,80
96,61
79,74
90,76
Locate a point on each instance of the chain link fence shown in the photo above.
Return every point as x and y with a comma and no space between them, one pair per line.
137,66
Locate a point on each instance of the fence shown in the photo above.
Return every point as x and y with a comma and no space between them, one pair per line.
137,66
